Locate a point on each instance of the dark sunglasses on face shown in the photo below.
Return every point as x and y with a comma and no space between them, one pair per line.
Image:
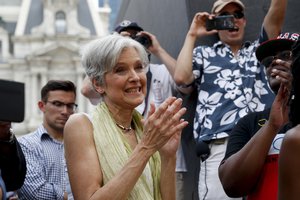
284,55
237,14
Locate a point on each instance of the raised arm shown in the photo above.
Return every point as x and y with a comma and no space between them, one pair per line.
168,161
157,50
274,18
184,72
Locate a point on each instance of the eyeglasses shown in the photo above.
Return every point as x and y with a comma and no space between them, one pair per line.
236,14
61,105
284,55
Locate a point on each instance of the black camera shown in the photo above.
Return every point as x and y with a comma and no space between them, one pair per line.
12,101
202,149
144,40
225,22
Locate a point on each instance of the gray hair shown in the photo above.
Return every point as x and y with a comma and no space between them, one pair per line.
101,55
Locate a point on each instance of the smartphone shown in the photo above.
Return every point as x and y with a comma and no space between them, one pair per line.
224,22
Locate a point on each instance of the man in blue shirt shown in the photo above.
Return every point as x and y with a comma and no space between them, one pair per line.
47,176
229,80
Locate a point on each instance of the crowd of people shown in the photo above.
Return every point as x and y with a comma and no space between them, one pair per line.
230,83
130,147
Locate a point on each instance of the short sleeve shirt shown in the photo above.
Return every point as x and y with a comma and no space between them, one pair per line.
228,87
266,186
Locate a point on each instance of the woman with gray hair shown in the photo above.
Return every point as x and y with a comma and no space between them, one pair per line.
116,154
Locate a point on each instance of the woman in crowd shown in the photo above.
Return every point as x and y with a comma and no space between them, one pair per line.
115,154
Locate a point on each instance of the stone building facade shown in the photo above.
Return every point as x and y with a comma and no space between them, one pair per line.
40,40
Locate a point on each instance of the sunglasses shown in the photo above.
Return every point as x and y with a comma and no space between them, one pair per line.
236,14
284,55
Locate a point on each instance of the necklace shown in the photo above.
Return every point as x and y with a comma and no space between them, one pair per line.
124,128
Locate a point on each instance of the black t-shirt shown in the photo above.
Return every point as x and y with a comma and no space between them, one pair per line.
245,129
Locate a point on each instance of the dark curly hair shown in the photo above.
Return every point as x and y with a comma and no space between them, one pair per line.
295,93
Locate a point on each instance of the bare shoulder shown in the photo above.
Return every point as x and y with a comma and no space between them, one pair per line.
78,119
293,136
294,131
78,125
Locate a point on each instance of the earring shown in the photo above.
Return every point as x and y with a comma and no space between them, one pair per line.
100,91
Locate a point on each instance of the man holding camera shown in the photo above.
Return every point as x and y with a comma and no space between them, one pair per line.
229,80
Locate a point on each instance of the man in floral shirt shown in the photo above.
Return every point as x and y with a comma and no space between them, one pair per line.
229,80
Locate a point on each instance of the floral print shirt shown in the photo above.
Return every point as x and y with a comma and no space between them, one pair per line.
228,87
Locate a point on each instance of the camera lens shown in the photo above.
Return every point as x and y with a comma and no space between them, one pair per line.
144,40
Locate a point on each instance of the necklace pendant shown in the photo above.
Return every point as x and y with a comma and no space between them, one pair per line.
124,128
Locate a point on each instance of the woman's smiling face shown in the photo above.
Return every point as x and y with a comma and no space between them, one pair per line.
125,85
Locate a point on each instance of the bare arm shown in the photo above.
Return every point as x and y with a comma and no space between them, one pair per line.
157,50
239,173
85,171
82,159
183,71
168,164
274,19
167,184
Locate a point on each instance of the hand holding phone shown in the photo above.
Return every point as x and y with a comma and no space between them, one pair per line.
224,22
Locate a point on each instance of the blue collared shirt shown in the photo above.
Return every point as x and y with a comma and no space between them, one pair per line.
228,87
46,177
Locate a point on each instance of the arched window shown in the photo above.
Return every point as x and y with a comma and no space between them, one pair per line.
60,22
